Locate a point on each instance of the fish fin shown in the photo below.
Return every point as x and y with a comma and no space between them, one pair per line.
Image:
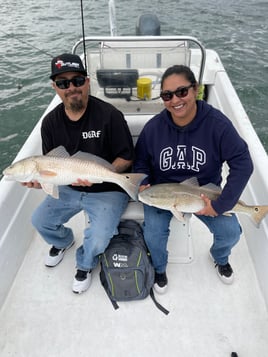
212,187
45,173
191,182
177,214
258,213
86,156
59,151
194,182
50,189
131,183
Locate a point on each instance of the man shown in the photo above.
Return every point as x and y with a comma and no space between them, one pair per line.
82,123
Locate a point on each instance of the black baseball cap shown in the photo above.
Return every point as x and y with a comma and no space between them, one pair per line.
66,62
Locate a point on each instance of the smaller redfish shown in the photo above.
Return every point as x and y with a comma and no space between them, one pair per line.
185,197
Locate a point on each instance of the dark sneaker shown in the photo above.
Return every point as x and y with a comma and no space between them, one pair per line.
225,272
160,283
56,255
82,281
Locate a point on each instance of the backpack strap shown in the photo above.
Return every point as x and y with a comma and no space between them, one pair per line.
114,303
105,285
157,304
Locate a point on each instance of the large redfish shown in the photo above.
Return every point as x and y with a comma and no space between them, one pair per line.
59,168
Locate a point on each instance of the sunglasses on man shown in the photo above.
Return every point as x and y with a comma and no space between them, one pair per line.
65,83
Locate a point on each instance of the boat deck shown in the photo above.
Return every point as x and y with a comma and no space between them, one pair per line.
43,317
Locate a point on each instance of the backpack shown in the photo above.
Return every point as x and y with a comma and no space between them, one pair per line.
126,269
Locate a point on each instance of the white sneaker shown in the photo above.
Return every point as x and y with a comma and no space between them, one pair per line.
56,255
161,283
82,281
225,272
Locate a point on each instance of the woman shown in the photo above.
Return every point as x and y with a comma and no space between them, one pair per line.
190,138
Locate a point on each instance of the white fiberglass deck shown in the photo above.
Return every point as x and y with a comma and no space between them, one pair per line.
42,317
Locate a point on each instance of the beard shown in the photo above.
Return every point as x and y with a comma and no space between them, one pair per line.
74,105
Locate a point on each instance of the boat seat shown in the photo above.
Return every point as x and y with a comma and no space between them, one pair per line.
180,244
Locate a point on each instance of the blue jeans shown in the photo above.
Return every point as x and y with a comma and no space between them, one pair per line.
104,210
226,232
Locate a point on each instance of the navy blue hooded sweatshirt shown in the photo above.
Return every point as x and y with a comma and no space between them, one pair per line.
169,153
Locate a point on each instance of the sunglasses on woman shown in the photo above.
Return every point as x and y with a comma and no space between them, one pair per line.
180,92
65,83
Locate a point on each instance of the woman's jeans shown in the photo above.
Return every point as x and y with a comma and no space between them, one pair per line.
104,210
226,232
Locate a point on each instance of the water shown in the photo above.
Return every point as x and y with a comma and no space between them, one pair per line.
32,32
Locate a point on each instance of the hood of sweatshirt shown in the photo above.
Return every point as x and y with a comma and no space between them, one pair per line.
203,110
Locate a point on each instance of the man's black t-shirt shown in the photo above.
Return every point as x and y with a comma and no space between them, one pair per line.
102,131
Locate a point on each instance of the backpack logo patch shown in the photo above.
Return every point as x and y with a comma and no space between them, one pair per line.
120,261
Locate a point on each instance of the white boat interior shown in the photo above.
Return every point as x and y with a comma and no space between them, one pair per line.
40,315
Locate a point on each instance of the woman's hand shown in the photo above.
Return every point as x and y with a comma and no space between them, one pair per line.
143,187
208,210
31,184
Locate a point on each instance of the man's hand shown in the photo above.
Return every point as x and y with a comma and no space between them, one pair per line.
80,182
208,210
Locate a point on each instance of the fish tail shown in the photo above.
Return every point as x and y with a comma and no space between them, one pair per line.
131,184
258,213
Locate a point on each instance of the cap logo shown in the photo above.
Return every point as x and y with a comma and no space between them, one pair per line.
59,64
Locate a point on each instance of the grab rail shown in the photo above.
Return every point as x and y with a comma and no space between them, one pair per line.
151,39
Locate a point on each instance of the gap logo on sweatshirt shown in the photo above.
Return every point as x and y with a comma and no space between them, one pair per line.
182,158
